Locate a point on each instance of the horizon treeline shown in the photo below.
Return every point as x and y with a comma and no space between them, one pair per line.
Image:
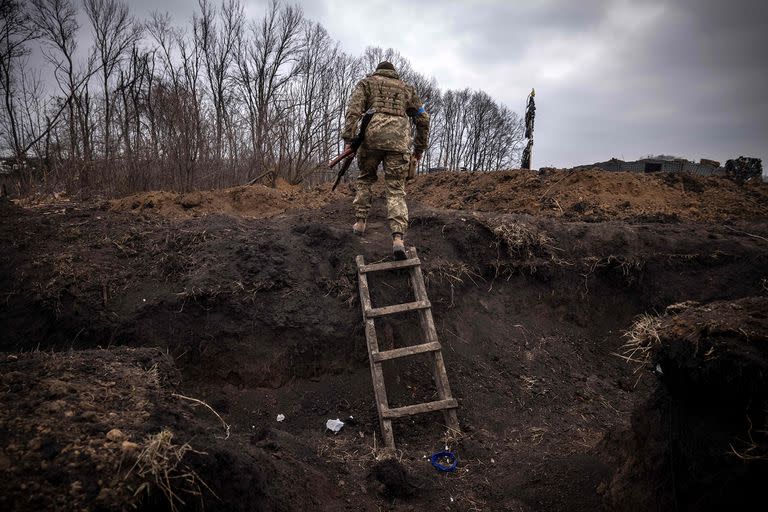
220,100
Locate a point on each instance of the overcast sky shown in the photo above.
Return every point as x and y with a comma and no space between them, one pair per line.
613,78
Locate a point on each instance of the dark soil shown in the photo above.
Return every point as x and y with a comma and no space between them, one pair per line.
76,428
260,317
700,441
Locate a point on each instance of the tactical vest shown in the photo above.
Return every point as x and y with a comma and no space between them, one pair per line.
388,95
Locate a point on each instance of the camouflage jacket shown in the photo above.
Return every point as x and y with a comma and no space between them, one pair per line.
394,102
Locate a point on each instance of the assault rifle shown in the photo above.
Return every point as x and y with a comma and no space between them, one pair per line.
350,152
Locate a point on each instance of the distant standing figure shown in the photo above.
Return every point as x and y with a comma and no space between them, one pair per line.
388,141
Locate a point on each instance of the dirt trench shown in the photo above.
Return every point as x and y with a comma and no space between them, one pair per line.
261,317
700,440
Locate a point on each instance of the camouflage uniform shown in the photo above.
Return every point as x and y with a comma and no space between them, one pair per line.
387,140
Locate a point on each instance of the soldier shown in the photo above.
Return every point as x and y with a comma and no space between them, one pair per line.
388,141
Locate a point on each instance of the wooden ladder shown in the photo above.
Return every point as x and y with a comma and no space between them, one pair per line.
446,402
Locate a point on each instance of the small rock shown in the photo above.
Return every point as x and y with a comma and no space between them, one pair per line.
57,388
129,446
54,406
115,435
191,200
89,416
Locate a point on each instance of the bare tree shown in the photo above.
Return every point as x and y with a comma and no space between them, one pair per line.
115,32
216,34
217,102
57,23
16,30
308,104
265,63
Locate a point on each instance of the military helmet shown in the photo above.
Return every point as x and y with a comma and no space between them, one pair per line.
385,65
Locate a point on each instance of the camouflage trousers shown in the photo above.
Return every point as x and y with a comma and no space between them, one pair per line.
395,173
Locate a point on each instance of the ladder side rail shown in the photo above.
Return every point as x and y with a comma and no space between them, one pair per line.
428,326
377,374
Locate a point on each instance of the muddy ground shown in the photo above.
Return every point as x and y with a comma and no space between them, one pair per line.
121,315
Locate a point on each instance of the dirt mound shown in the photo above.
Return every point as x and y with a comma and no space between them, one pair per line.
252,201
700,442
594,195
64,442
105,430
591,196
262,319
391,479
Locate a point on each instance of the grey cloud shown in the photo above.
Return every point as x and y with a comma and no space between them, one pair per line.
691,83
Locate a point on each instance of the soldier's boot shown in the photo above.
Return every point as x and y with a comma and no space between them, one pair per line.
398,246
358,227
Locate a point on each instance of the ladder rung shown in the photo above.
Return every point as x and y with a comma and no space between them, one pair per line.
389,265
409,410
398,308
406,351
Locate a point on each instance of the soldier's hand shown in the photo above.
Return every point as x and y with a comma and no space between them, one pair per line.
417,156
347,147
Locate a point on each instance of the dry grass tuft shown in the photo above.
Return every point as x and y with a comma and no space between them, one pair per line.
159,465
196,401
751,449
342,287
522,240
153,376
642,337
452,272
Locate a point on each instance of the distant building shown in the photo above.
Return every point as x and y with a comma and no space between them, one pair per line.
662,163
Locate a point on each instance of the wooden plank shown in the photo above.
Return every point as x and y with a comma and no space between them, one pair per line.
397,308
410,410
377,375
428,326
441,377
420,294
388,265
382,405
406,351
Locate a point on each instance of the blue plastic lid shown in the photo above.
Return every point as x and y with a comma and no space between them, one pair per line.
436,457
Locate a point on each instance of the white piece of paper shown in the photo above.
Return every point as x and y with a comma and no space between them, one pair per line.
334,425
